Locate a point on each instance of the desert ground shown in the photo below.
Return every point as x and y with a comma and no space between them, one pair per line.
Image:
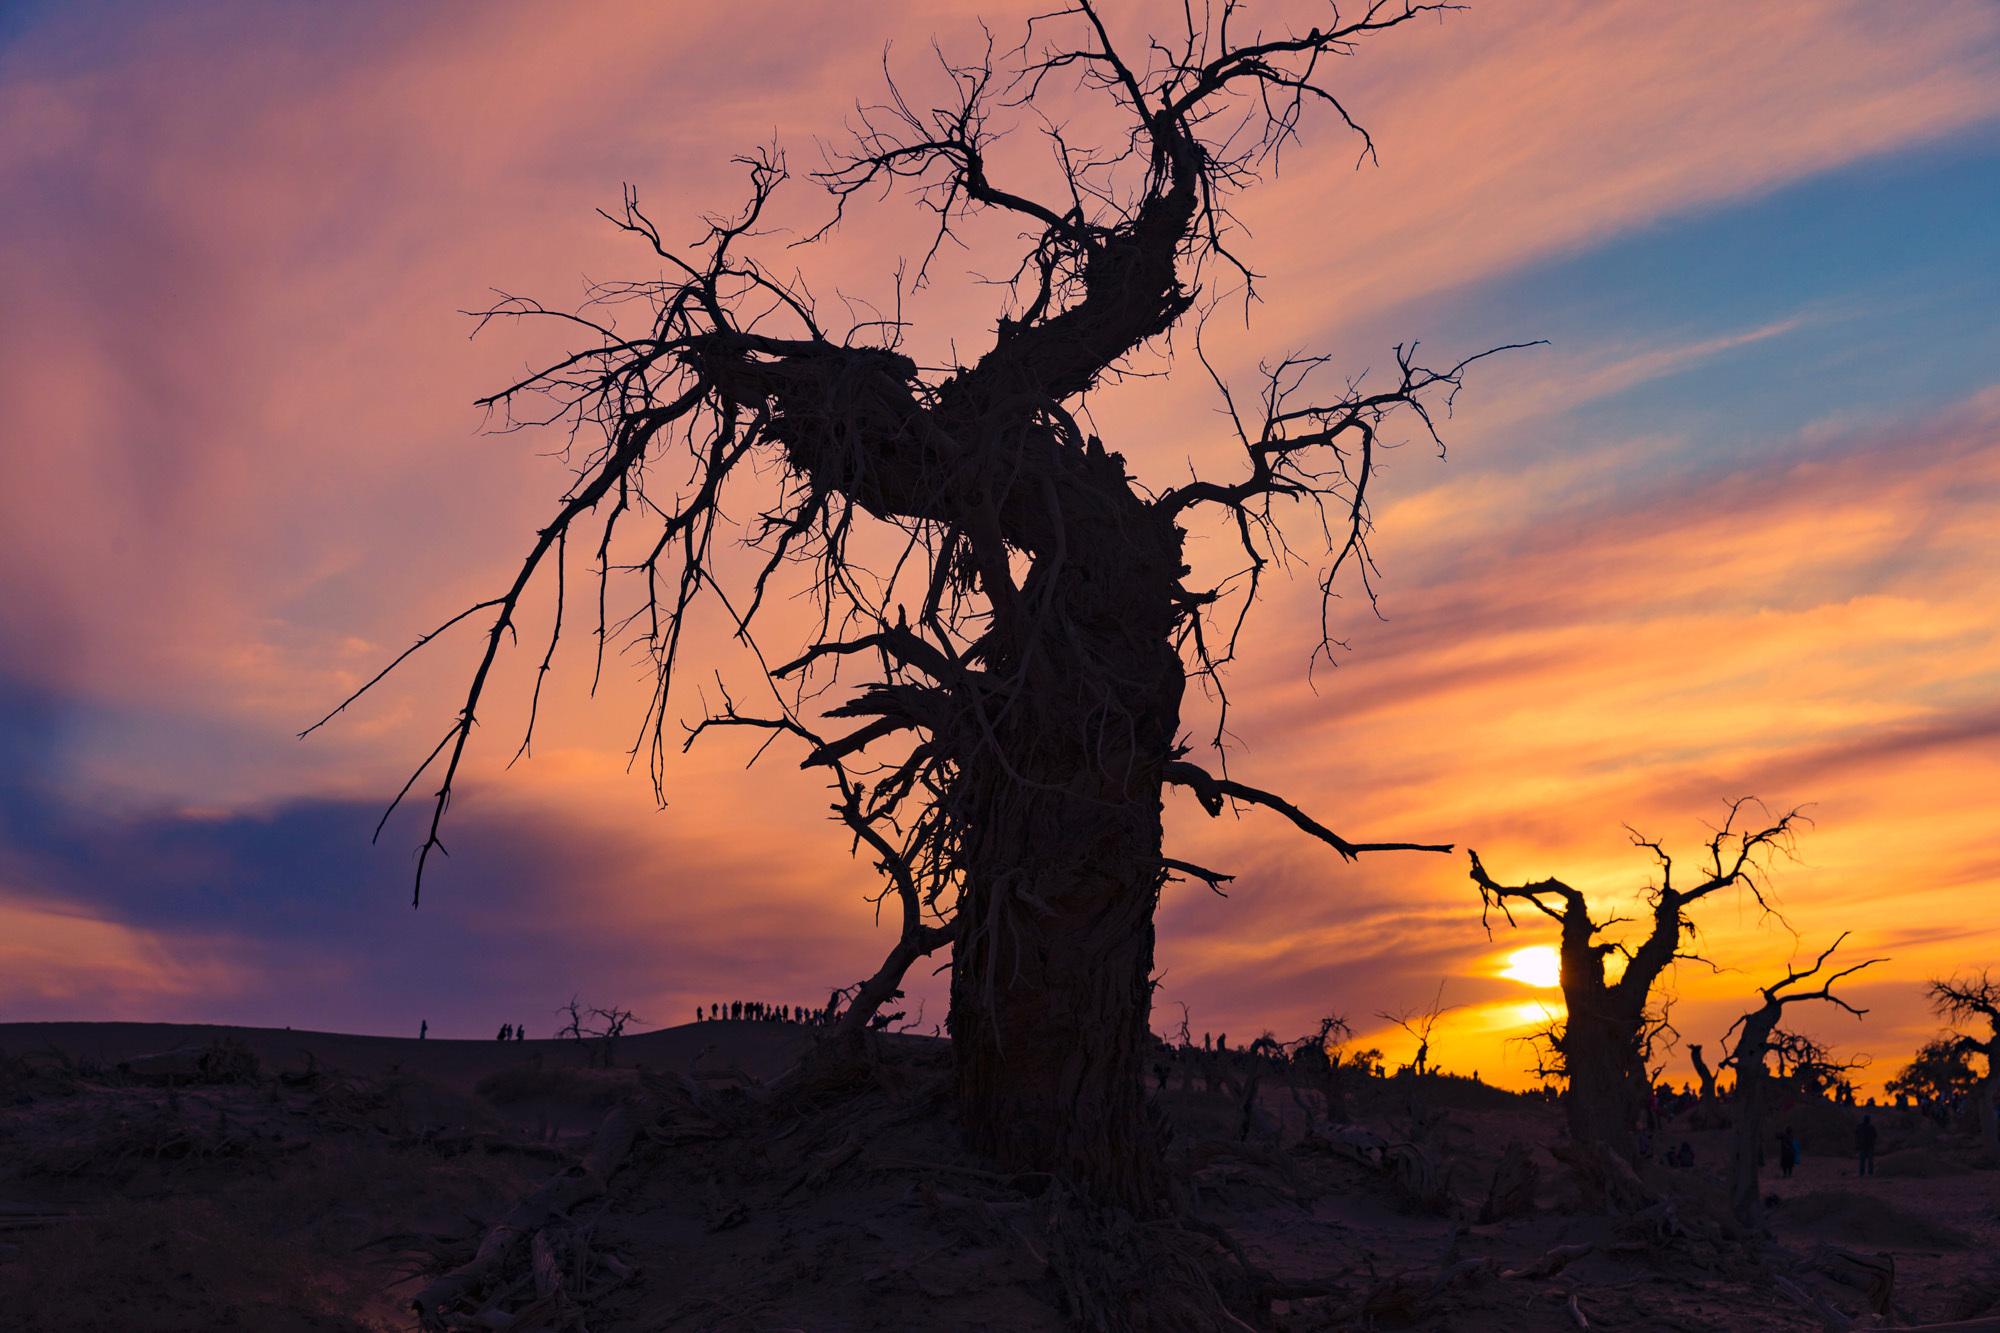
166,1177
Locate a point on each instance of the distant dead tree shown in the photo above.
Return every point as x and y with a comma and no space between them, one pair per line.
1808,1067
599,1027
1001,609
1418,1024
1939,1074
1602,1044
1757,1035
1975,997
1324,1061
1708,1110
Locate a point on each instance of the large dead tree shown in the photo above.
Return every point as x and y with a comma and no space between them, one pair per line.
1602,1042
1971,998
1756,1036
1011,651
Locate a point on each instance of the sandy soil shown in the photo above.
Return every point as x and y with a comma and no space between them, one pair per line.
275,1179
763,1049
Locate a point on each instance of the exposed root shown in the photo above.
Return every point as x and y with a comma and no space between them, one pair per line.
489,1291
1605,1179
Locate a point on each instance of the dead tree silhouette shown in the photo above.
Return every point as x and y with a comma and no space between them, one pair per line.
1708,1111
1419,1024
1755,1033
1602,1044
1026,644
1807,1066
1324,1061
1938,1074
600,1027
1964,999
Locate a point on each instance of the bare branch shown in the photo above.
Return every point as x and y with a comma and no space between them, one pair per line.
1212,791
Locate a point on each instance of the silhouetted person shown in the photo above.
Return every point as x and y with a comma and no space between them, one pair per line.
1684,1156
520,1033
1788,1152
506,1031
423,1029
1864,1146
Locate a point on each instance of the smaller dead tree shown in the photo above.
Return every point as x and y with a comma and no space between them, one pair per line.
1809,1068
1757,1035
1708,1113
1967,999
1939,1075
600,1028
1322,1061
1602,1046
1419,1023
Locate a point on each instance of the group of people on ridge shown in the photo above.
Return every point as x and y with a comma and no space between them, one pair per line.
759,1011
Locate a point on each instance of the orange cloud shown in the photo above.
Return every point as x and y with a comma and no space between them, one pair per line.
63,964
1813,627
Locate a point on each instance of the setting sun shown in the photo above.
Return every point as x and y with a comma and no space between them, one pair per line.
1536,966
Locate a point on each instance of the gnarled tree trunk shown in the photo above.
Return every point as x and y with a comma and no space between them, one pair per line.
1746,1197
1753,1041
1709,1113
1599,1051
1986,1101
1052,969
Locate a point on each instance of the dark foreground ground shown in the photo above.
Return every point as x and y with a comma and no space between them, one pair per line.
155,1177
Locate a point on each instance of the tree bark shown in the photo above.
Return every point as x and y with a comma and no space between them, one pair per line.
1746,1196
1052,964
1705,1074
1986,1099
1600,1042
1601,1106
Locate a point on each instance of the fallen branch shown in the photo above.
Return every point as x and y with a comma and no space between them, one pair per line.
1551,1262
565,1191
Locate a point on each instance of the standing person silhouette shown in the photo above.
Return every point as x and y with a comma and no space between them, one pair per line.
506,1031
1788,1152
423,1029
1865,1135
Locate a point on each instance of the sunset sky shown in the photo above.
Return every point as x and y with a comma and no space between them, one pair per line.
1735,530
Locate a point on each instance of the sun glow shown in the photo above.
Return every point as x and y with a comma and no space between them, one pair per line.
1538,965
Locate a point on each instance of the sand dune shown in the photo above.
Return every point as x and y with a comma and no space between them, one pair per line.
760,1049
